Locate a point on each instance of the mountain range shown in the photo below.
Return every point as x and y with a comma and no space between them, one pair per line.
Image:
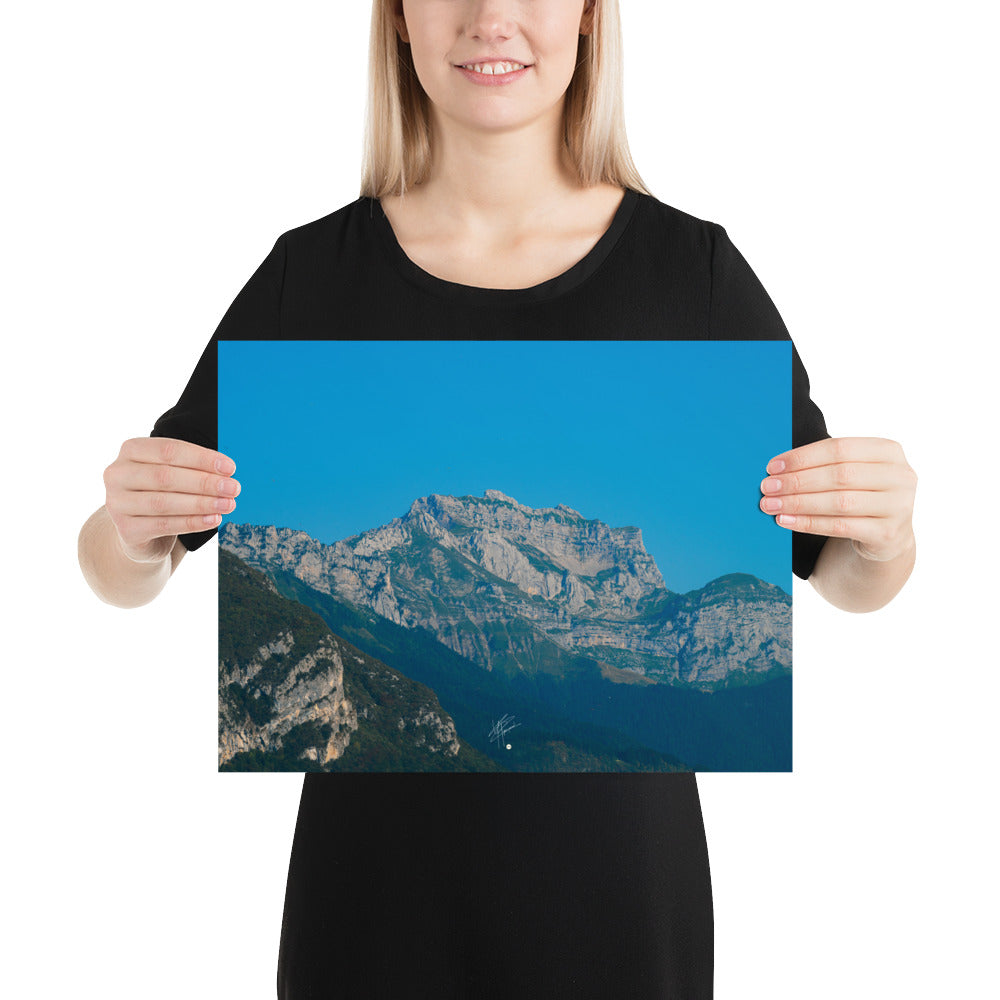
565,616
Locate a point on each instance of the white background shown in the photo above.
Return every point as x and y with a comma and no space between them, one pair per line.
155,152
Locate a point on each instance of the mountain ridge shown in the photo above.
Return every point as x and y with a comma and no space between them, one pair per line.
493,578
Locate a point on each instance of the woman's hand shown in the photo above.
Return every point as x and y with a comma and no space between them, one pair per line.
855,488
159,488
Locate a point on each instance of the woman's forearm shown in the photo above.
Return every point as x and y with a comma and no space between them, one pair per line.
112,575
852,583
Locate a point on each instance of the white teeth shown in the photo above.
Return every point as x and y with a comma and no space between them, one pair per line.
495,69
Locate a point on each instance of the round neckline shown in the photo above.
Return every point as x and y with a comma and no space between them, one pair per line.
569,279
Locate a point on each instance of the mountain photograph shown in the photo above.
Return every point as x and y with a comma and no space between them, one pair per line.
475,632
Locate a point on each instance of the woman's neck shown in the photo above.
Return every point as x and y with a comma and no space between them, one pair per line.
498,182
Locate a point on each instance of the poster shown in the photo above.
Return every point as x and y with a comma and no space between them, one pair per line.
504,556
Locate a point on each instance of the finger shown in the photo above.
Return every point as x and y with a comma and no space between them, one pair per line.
160,504
832,451
844,476
136,531
880,538
842,503
866,530
142,477
173,451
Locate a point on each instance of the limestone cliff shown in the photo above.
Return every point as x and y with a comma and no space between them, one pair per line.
310,688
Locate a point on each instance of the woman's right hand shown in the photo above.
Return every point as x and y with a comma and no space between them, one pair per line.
159,488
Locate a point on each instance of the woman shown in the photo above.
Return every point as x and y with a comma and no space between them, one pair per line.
501,205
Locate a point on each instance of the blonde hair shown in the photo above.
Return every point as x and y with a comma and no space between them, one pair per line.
397,140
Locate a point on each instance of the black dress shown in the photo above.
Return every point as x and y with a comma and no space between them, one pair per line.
583,886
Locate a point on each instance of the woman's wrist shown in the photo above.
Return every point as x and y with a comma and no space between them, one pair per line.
853,582
111,573
153,553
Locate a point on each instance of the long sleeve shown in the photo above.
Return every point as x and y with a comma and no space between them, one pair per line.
255,314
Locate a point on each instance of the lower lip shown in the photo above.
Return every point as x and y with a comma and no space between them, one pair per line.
485,80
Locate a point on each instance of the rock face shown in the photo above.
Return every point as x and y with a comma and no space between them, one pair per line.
286,683
310,689
494,580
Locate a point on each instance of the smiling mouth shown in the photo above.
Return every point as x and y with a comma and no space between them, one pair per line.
494,68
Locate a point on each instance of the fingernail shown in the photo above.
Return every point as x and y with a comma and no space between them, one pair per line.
771,485
775,465
225,466
771,504
786,519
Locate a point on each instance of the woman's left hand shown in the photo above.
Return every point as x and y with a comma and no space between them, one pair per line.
851,487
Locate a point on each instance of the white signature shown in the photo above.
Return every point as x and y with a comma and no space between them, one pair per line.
502,727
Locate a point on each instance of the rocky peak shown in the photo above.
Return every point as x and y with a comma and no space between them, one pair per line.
502,497
543,540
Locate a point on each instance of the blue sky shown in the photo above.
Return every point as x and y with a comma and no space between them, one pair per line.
336,437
